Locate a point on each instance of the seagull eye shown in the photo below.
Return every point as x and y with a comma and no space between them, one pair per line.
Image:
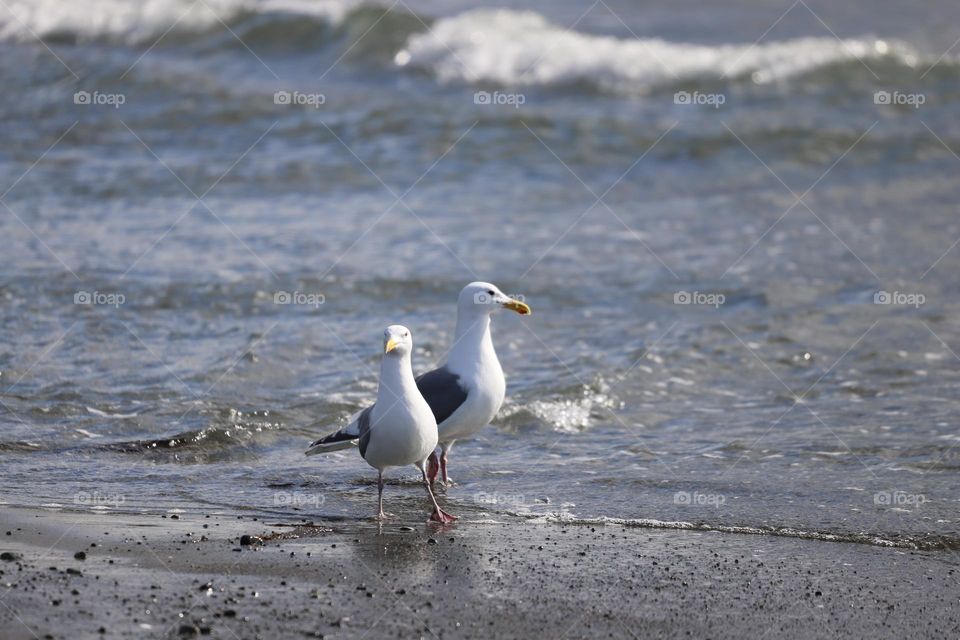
490,293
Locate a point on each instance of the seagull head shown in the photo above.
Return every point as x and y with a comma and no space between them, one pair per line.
397,341
484,298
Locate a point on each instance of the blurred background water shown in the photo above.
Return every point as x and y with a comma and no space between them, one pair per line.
776,165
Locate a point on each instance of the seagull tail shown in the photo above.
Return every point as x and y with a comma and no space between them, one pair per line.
333,442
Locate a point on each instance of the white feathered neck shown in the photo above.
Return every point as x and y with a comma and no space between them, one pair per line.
396,379
472,352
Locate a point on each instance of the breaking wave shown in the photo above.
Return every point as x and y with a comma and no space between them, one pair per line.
522,48
146,20
569,412
494,46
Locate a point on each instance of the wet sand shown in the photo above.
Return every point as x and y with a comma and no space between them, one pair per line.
156,577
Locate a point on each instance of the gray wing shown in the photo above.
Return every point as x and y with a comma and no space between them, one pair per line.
358,429
363,422
442,390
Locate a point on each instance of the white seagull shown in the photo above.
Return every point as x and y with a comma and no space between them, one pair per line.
466,392
399,428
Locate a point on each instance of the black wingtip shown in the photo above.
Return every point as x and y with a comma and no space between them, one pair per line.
339,436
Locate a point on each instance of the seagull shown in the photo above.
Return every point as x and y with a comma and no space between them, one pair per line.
466,392
399,428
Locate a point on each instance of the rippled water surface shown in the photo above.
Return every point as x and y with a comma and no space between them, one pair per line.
608,165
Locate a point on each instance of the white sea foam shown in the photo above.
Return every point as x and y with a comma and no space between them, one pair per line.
144,20
104,414
563,415
522,48
571,414
507,47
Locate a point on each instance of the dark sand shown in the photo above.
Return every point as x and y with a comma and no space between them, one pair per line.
153,577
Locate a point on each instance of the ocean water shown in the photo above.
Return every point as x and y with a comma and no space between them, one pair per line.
736,225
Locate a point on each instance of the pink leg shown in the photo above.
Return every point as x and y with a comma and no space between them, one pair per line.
443,468
438,515
433,466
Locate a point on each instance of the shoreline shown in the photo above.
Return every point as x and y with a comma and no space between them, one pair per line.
156,577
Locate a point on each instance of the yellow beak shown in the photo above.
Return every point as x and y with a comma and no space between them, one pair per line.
520,307
391,345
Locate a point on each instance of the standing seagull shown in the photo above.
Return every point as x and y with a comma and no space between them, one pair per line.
466,392
399,428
